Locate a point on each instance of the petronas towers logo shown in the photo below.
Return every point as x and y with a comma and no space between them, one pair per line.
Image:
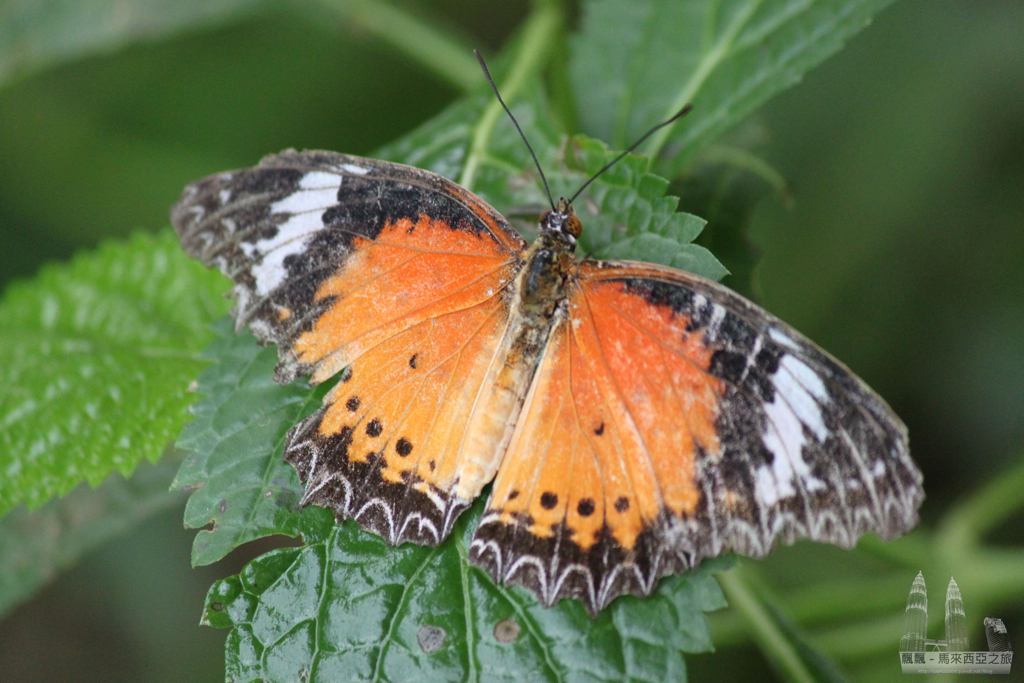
922,655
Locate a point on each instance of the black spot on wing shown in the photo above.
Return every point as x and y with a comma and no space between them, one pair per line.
728,365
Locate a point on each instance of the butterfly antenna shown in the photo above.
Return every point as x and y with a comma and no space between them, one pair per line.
498,95
682,112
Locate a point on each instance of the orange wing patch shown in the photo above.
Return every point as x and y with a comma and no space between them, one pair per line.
548,457
410,273
390,275
652,375
604,452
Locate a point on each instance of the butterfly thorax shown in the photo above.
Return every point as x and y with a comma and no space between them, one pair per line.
542,283
549,261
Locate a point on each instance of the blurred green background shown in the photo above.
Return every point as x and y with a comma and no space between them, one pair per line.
901,252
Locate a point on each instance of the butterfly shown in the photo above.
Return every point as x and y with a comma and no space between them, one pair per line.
630,418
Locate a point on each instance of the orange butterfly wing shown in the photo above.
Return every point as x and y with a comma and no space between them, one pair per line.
390,273
671,420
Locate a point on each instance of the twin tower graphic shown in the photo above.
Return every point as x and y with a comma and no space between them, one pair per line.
915,620
915,623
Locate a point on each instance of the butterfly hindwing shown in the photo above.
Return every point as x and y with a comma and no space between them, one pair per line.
677,421
387,447
396,278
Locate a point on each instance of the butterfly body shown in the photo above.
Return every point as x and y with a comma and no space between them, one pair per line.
631,418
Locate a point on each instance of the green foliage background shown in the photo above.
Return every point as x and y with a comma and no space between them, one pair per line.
884,196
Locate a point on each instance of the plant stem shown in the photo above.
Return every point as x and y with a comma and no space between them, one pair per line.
850,597
770,640
535,43
965,524
467,604
560,89
862,639
440,52
913,551
995,577
708,63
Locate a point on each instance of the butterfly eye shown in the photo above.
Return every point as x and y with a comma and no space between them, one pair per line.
573,226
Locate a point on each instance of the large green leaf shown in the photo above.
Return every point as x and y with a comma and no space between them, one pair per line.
636,62
347,607
95,361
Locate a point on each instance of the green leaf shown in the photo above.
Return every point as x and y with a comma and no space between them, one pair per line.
243,487
348,607
636,62
97,355
36,546
35,35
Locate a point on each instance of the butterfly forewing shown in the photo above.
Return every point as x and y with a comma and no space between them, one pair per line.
288,231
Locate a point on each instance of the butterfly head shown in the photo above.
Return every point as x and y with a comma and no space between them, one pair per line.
562,221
